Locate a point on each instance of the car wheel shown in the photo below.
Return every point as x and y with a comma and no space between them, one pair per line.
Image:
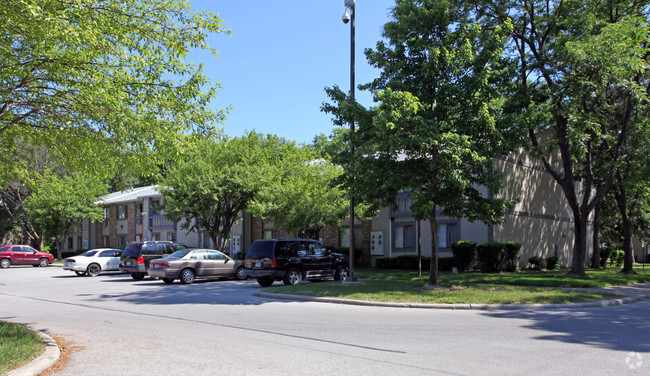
293,277
80,273
93,270
43,262
342,273
168,281
265,282
137,276
240,274
187,276
5,263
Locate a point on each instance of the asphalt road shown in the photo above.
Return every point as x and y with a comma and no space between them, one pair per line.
145,327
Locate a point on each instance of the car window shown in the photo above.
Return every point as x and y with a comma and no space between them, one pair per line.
89,253
4,249
285,249
132,250
179,254
261,248
198,255
214,255
317,249
26,250
106,253
117,253
304,249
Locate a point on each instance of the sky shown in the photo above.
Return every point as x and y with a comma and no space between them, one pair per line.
281,55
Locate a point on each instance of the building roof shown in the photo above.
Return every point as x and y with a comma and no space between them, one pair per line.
129,195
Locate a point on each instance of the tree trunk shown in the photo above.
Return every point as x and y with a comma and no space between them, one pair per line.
579,248
628,261
433,267
595,258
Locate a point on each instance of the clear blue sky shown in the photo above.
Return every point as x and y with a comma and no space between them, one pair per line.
281,56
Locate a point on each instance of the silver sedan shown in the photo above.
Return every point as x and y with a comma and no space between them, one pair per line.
189,264
94,261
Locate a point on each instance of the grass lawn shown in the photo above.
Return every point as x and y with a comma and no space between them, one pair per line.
468,288
18,345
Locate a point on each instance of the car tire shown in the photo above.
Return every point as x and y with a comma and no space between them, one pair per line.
43,262
138,276
293,277
168,281
240,274
93,270
187,276
265,282
342,272
5,263
80,274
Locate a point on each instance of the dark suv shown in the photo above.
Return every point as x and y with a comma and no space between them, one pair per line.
136,256
292,260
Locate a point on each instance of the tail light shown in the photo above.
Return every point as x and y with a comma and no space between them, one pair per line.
140,260
68,260
249,263
274,263
160,265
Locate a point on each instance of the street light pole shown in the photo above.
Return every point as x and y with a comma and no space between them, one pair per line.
350,5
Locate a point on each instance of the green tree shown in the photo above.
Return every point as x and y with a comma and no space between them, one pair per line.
582,75
98,80
305,194
57,203
218,180
435,129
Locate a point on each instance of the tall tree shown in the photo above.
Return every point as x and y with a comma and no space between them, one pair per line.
305,194
435,129
57,203
218,180
582,74
102,79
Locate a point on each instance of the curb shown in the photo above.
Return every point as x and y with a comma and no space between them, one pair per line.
46,360
485,307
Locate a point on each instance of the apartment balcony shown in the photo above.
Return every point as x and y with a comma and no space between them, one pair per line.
160,222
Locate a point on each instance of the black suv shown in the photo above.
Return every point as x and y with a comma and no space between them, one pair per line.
136,256
292,260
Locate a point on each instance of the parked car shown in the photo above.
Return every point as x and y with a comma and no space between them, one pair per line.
23,254
292,261
189,264
136,256
94,261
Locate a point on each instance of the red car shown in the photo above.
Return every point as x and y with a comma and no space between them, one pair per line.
23,254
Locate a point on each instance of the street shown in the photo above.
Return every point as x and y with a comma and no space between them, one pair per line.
129,327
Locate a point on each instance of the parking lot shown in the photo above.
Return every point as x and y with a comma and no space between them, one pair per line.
128,327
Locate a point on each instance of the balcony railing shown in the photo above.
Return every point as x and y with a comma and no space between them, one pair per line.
161,222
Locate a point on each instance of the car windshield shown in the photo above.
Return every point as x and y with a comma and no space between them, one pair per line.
132,250
179,254
89,253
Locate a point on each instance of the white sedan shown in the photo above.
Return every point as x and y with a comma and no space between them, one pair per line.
94,261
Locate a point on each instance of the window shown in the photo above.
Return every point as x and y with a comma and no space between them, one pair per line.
155,236
106,214
105,241
404,237
155,207
79,242
171,236
70,242
447,234
268,234
139,209
121,212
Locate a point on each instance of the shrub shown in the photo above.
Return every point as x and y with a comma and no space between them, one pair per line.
536,263
617,257
511,255
490,256
464,254
605,253
552,262
410,262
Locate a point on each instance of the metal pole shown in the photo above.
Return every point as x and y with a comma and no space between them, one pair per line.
351,277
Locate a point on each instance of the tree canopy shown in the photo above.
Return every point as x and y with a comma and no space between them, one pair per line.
99,80
436,125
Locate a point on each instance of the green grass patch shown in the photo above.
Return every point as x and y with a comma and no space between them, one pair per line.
469,288
18,345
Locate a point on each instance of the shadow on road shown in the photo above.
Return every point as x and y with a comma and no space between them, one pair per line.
616,328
